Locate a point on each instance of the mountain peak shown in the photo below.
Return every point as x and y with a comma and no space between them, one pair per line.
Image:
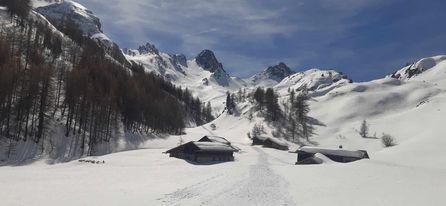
278,72
58,10
275,73
207,60
148,48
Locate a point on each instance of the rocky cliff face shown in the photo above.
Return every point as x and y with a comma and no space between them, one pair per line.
148,48
207,60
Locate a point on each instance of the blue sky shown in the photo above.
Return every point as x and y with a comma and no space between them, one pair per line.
366,39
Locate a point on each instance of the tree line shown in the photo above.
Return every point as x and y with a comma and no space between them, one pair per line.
47,81
290,118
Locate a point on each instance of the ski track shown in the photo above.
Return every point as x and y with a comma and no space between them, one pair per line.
262,187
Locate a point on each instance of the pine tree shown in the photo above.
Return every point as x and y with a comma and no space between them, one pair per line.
272,105
259,96
302,110
364,129
230,104
20,8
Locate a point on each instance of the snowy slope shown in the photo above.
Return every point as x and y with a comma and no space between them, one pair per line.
319,82
418,67
40,3
412,173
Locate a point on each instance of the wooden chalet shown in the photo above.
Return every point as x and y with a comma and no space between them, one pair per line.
306,155
222,140
270,142
203,152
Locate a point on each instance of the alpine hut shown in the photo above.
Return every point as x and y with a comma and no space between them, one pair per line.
269,142
306,155
203,152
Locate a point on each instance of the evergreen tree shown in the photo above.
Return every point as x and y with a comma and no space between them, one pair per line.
302,110
272,105
259,96
230,104
364,129
20,8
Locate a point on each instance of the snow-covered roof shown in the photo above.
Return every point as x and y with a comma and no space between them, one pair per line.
214,146
216,139
277,141
334,152
204,147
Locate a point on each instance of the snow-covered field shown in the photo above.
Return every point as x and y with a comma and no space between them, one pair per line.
412,173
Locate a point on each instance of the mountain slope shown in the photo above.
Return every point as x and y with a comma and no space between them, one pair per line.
418,67
204,75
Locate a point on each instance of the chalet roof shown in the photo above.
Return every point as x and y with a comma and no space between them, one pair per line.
215,139
214,146
333,152
205,147
277,141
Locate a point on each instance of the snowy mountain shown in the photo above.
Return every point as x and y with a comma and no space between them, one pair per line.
61,11
207,60
271,76
58,12
418,67
204,75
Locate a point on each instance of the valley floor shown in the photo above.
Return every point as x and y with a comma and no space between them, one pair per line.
258,176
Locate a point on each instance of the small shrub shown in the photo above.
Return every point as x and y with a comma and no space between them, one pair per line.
388,140
257,130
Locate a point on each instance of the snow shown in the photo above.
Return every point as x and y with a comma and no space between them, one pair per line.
419,67
86,20
318,81
413,172
218,139
40,3
337,152
213,146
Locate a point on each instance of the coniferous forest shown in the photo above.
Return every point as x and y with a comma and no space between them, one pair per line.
50,79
